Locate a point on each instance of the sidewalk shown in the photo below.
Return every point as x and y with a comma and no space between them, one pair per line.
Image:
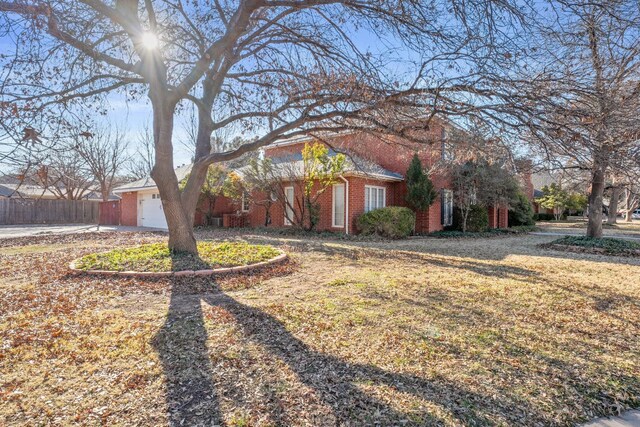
628,419
10,231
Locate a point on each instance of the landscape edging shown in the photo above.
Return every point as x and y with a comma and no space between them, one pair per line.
183,273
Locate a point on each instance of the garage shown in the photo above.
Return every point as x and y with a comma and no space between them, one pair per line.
150,212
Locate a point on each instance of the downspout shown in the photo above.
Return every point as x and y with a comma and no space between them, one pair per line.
346,204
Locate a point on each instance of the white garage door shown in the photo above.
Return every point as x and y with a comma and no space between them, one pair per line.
150,213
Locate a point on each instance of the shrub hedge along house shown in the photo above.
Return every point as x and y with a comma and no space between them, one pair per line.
373,177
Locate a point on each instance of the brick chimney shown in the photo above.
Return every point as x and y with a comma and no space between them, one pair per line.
524,169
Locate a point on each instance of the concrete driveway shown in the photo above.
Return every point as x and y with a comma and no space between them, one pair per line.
9,231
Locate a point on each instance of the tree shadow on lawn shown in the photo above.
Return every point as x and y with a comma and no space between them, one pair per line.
194,387
480,249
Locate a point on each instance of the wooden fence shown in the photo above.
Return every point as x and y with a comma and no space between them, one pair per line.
46,211
110,213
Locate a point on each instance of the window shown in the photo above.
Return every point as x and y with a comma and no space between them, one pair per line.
155,196
374,198
288,208
245,202
338,206
446,149
446,208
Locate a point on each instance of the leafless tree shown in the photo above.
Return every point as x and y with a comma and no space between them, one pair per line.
104,152
273,68
65,175
141,162
583,95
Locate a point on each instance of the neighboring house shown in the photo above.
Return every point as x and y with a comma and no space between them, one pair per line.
17,187
373,178
32,191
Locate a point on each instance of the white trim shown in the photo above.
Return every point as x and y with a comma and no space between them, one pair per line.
245,200
333,206
447,216
378,176
287,221
384,197
133,189
346,204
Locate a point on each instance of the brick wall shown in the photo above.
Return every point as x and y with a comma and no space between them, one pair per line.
503,217
222,205
129,209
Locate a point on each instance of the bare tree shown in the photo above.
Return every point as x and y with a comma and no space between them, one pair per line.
66,175
272,68
586,91
141,162
104,152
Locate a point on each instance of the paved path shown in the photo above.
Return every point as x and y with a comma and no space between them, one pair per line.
9,231
628,419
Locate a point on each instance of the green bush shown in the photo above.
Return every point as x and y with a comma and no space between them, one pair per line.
546,217
393,222
477,221
521,211
607,244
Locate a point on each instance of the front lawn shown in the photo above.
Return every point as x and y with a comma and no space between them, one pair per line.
413,332
156,257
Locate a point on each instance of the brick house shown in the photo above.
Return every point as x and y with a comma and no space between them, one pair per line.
373,178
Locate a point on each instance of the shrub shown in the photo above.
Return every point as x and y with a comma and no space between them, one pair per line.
546,217
477,221
521,211
420,191
607,244
393,222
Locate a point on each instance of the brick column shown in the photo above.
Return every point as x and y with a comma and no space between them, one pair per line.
503,217
493,217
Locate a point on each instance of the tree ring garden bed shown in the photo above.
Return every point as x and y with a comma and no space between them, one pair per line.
598,246
156,260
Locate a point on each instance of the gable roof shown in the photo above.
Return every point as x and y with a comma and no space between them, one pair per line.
6,191
292,165
148,182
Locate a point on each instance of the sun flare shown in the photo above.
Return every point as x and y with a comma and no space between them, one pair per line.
150,41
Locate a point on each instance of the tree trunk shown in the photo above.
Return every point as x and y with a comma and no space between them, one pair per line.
104,190
594,225
464,220
630,205
612,215
180,223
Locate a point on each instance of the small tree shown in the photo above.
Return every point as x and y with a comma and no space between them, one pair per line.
577,202
521,212
420,191
320,170
482,183
554,197
263,184
465,178
212,187
234,189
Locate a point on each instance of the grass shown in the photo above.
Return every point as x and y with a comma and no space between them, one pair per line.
157,257
414,332
607,245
